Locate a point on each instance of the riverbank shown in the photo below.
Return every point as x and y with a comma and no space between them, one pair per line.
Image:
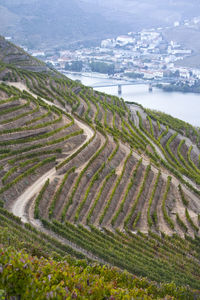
180,88
182,106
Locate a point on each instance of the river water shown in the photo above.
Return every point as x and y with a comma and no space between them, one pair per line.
183,106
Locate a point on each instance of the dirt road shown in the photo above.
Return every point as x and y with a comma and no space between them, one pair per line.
18,207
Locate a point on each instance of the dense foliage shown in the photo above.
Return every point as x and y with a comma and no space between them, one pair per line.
28,277
101,67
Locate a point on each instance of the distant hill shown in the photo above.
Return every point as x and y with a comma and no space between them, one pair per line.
59,23
188,37
135,12
160,13
52,23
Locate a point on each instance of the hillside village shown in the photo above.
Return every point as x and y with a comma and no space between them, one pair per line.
146,54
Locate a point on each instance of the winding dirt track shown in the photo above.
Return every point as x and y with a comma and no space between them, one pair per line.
18,208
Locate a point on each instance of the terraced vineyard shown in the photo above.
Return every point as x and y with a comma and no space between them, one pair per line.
96,178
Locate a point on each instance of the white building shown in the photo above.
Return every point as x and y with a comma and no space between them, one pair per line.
196,72
196,20
176,24
158,74
124,40
184,73
149,35
174,44
109,43
181,51
38,53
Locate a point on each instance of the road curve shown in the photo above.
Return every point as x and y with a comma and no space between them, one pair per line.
18,208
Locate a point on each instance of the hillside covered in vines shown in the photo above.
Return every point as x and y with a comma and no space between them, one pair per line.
96,178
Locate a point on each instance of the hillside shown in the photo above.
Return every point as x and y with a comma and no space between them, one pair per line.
134,12
13,55
187,36
77,280
52,24
97,179
63,23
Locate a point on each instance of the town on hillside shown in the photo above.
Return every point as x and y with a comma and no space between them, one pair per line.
140,55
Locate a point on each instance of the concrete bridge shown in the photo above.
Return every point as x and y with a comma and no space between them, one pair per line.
124,83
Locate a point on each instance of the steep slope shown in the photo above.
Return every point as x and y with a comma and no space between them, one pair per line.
114,184
11,54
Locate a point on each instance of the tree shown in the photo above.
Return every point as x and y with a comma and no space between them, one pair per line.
75,66
102,67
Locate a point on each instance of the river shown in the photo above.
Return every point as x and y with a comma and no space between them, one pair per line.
183,106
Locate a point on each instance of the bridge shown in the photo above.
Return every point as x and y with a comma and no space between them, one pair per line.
151,83
123,83
120,83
